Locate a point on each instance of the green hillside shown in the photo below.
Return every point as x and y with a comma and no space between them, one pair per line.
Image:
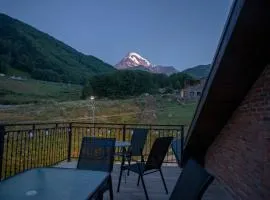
34,91
28,52
200,71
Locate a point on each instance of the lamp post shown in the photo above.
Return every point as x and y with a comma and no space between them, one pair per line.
92,104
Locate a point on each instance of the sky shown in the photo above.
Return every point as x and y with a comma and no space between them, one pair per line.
179,33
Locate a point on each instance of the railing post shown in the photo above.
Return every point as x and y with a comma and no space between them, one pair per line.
2,139
69,141
182,144
33,128
124,133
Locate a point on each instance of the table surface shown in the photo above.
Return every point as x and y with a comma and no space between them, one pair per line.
52,183
122,144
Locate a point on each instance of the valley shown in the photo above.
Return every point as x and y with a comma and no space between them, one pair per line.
43,79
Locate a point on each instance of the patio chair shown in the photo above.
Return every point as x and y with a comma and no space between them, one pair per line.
192,183
177,150
153,163
136,145
97,154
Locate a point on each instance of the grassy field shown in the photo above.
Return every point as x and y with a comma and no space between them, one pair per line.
34,91
48,101
136,110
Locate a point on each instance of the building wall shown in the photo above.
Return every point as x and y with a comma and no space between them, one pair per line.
192,91
240,156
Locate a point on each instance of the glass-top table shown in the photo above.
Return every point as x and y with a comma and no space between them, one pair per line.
54,183
122,144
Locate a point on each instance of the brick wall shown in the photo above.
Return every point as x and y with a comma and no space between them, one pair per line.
240,156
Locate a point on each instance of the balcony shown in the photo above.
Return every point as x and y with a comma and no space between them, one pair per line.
27,146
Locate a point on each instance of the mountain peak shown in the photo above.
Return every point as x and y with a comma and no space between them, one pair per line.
133,59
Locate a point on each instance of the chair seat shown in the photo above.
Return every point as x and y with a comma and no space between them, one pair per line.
136,167
126,154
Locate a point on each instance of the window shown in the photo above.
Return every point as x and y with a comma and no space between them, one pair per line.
191,94
199,94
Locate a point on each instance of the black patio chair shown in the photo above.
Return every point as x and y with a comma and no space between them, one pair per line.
153,163
177,150
192,183
137,142
97,154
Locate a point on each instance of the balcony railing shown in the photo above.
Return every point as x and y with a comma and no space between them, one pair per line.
26,146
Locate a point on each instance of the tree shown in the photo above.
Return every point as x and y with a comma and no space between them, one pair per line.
177,84
3,67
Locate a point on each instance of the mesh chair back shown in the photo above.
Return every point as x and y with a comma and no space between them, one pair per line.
176,147
137,141
97,154
158,153
192,183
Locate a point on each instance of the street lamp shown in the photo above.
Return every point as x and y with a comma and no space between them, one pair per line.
92,104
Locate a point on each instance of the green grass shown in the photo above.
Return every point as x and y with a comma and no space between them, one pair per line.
15,72
34,91
177,114
135,110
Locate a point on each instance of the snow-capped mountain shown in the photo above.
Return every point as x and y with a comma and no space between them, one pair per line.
135,61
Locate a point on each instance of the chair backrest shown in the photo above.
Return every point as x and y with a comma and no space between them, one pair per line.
137,141
97,154
177,150
192,183
158,153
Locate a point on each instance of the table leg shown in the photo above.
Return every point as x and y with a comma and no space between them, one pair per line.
121,167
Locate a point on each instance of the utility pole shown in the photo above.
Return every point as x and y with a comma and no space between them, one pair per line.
92,104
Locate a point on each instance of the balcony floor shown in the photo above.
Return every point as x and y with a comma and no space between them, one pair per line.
130,191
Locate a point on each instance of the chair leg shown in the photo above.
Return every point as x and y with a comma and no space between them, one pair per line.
138,182
163,180
129,160
144,188
111,187
120,177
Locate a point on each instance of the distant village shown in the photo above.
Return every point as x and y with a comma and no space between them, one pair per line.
192,92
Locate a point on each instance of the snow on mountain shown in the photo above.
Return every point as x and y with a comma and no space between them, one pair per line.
135,61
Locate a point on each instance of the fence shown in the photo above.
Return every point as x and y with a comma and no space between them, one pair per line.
26,146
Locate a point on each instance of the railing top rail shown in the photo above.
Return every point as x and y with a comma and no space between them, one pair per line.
88,123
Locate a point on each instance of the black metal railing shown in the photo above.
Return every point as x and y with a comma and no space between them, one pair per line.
26,146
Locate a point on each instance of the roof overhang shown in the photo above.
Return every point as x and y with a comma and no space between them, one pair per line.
241,56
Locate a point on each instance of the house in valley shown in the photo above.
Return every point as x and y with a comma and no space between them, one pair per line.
192,92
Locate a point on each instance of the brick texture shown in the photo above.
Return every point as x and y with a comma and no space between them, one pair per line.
240,156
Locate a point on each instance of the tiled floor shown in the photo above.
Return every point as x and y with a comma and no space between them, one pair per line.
130,191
